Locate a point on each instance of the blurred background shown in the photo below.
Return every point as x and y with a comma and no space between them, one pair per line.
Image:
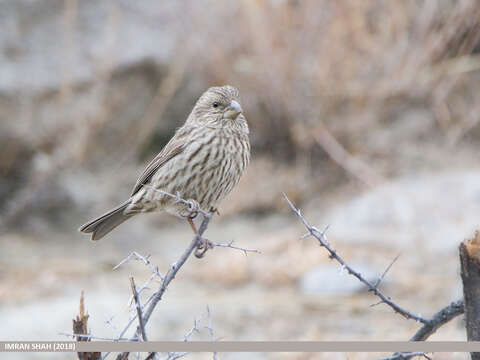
365,113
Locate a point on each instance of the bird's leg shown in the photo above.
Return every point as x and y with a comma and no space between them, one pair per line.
191,213
192,225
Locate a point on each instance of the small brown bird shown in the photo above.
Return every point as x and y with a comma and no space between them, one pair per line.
201,163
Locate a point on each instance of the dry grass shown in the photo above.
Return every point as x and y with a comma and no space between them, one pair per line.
352,65
321,81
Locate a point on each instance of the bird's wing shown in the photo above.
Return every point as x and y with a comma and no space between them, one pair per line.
174,147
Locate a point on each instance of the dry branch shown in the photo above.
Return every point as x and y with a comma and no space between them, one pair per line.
407,356
195,329
89,337
143,313
320,236
231,246
429,325
175,267
145,259
439,319
138,306
178,199
169,276
209,327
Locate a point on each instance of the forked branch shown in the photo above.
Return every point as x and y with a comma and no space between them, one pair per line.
429,325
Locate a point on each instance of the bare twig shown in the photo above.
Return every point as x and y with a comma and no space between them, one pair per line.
406,356
231,246
139,309
145,259
178,199
191,331
125,329
209,327
174,356
320,236
439,319
92,337
429,325
380,279
155,272
145,285
176,266
173,270
195,329
186,337
152,302
170,275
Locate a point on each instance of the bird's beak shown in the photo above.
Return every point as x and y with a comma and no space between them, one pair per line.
233,110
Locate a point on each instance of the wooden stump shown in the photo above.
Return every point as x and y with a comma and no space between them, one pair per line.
80,326
470,272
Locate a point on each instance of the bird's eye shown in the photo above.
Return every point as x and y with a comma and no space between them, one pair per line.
215,104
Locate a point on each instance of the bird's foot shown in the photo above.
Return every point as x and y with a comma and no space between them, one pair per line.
203,247
192,210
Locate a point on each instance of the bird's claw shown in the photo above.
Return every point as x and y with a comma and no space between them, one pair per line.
202,248
192,210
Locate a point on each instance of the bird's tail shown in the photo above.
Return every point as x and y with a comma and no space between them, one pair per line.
102,225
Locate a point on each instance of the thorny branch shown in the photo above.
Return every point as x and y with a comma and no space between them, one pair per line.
211,331
429,325
320,236
92,337
155,273
166,279
439,319
178,199
231,246
169,276
380,279
407,356
145,259
172,355
195,329
138,306
147,262
175,267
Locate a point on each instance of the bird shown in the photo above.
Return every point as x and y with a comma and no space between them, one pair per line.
201,164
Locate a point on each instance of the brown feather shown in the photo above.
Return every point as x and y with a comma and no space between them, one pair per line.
172,149
203,161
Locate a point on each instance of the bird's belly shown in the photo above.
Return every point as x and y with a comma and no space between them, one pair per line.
203,174
211,183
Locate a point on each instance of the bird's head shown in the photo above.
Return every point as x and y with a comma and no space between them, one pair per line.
219,106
